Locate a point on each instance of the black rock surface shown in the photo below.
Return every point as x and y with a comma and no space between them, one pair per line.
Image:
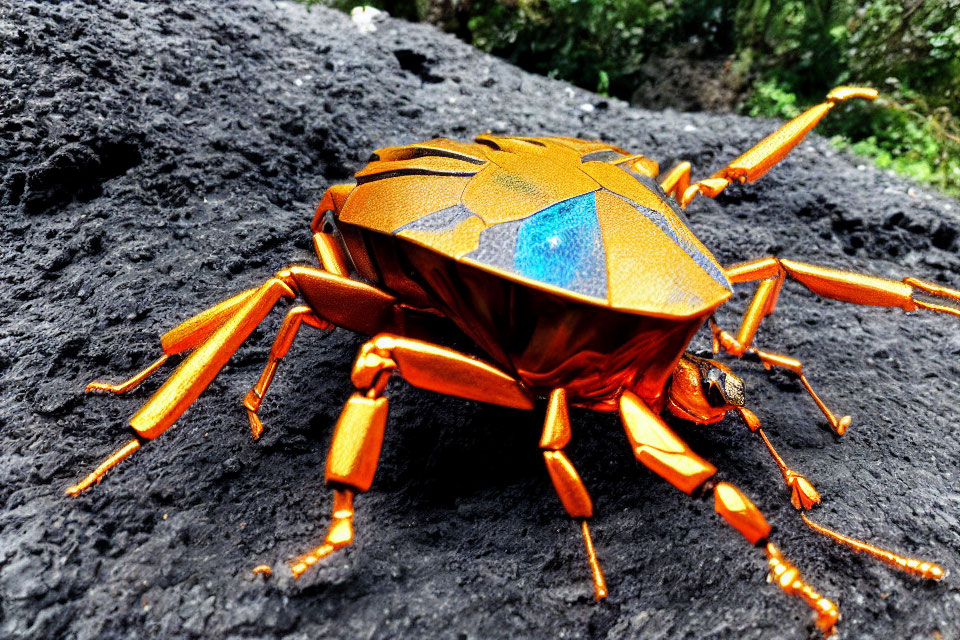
158,157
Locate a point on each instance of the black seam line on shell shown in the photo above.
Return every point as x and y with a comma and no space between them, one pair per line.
487,142
427,152
527,140
413,172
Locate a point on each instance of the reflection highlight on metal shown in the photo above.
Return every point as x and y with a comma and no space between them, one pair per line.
262,570
97,474
575,274
921,568
787,577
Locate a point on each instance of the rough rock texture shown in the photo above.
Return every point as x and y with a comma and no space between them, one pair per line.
159,156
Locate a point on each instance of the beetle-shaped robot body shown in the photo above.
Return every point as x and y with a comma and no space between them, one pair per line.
574,271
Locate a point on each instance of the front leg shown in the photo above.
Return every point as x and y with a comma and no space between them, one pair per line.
355,448
909,294
656,446
704,391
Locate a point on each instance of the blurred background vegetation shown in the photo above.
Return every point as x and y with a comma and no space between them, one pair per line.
758,57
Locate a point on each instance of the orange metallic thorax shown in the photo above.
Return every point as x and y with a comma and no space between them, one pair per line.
559,258
549,341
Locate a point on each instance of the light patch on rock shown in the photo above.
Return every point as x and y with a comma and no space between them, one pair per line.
363,17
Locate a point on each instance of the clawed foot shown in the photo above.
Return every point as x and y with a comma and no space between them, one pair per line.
802,493
340,534
839,426
127,385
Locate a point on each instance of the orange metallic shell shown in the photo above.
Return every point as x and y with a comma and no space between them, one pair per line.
580,219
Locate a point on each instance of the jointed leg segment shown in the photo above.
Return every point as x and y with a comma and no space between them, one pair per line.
215,334
802,493
570,488
920,568
131,383
910,294
355,448
183,337
804,496
97,474
202,366
281,344
761,157
663,452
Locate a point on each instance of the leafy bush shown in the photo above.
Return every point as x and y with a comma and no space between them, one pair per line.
788,53
911,53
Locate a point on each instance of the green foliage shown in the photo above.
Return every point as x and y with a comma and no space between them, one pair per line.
894,46
771,98
790,53
573,39
905,139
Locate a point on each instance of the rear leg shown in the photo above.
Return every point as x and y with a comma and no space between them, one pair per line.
358,437
181,338
334,260
218,332
189,334
761,157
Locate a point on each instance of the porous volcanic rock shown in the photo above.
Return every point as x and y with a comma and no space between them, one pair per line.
160,156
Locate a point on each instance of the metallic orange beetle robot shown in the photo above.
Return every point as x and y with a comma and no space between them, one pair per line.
573,269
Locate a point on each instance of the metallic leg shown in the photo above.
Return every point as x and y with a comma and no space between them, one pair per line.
663,452
281,345
339,535
358,437
761,157
181,338
909,294
330,254
570,488
216,333
921,568
129,384
789,579
97,474
200,368
802,493
804,496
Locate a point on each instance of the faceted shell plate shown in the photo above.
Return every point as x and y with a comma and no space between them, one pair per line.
579,218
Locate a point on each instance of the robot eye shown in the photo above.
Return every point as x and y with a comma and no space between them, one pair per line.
723,389
713,388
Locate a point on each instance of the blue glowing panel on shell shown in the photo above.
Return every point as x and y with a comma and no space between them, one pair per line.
560,245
